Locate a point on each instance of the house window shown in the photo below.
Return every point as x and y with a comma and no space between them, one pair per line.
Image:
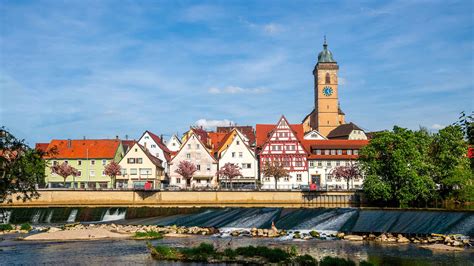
320,163
133,171
104,162
328,78
197,146
79,162
80,173
349,152
145,171
189,146
298,177
209,167
299,163
329,178
173,144
124,171
266,179
318,152
139,160
311,163
241,154
246,165
131,160
338,163
178,180
233,155
93,162
287,178
103,173
92,173
66,162
333,152
146,137
198,167
328,163
339,152
326,152
356,152
55,162
153,145
237,142
188,155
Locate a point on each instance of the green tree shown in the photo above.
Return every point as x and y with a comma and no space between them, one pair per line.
450,165
396,167
21,169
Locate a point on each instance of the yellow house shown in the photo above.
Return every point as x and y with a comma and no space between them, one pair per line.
140,169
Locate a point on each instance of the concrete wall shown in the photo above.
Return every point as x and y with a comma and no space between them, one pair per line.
288,199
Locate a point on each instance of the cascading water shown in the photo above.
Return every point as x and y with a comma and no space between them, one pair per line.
36,216
72,216
5,217
50,215
114,215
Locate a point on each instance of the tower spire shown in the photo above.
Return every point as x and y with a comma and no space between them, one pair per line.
325,44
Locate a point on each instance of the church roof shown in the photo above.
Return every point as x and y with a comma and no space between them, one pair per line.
325,56
343,130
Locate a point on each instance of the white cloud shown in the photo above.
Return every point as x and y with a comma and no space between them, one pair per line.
437,126
210,124
271,28
236,90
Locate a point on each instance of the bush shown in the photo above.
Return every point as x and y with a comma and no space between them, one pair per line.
306,260
365,263
314,234
271,254
148,235
6,227
230,253
25,226
164,252
331,261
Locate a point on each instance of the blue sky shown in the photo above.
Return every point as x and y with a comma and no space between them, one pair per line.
98,69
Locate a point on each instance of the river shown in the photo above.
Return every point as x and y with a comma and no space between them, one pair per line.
132,252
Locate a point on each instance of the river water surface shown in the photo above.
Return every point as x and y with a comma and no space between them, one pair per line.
132,252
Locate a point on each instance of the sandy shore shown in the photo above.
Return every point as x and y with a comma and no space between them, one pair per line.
79,234
441,247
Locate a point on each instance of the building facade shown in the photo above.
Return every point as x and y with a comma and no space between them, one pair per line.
173,144
281,143
140,170
195,150
236,150
89,157
326,155
156,147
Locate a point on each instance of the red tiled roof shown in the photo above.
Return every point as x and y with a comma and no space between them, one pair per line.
246,130
41,146
217,139
263,132
201,133
82,149
127,144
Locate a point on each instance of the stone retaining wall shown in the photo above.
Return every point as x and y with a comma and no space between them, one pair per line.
292,199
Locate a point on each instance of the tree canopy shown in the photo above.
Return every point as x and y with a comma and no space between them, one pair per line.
21,168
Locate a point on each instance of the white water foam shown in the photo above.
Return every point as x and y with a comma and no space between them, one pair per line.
36,217
115,216
5,217
50,215
251,221
72,216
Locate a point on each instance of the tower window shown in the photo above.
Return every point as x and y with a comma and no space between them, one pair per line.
328,78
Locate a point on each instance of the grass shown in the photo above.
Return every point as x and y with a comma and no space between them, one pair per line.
148,235
6,227
26,227
246,255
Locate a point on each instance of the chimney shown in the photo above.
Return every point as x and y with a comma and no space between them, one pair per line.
161,138
126,137
69,143
116,137
84,137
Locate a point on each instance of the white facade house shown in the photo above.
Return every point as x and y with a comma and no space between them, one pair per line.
313,135
173,144
237,151
283,145
326,155
193,150
140,169
155,146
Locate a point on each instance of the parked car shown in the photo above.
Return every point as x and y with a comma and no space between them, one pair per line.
249,187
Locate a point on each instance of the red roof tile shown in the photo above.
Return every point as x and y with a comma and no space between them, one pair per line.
246,130
263,132
82,149
217,138
41,146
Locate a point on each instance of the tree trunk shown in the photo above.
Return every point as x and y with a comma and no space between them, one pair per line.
276,182
348,180
230,183
64,183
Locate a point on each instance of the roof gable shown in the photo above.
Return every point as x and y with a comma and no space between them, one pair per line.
343,130
284,125
314,135
200,142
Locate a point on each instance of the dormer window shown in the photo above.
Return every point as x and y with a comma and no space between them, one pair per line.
146,137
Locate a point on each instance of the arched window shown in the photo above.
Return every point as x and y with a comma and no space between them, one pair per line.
328,78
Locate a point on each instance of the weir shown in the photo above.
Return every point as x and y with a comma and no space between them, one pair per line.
351,220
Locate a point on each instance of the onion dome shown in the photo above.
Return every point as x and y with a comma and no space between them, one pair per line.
325,56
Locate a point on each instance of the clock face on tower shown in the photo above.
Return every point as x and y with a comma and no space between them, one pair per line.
327,91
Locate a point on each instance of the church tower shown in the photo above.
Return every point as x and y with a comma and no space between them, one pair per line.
327,114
